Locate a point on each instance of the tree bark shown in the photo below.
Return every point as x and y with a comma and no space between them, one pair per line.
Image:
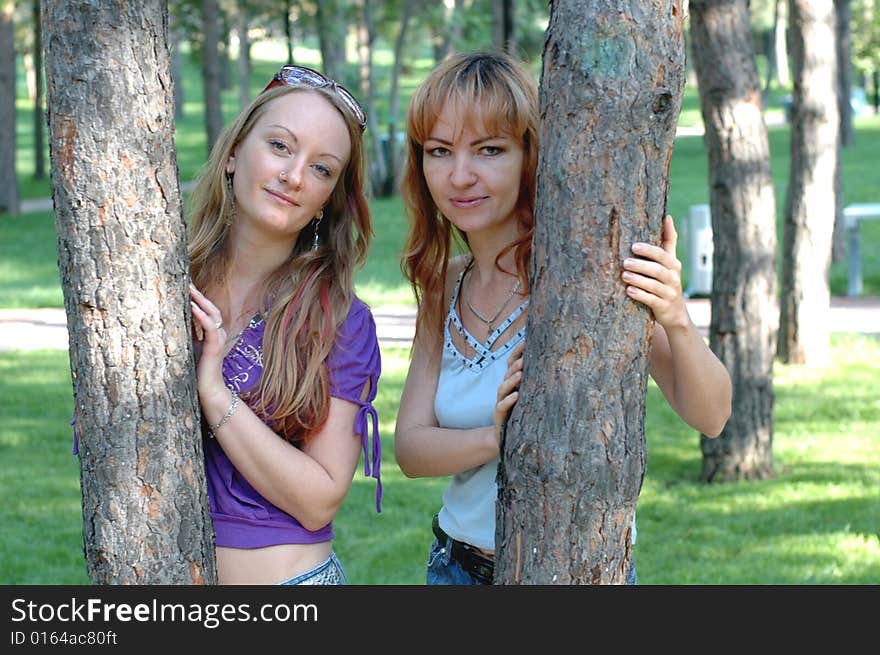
9,201
804,334
745,311
573,456
123,263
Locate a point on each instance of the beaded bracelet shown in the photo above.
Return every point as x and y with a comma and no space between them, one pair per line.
228,415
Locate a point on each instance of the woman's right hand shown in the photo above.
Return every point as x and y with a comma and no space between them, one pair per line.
208,325
508,390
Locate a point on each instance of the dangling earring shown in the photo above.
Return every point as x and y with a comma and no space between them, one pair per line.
317,223
230,195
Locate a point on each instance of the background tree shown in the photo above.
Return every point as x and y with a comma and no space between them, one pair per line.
123,263
804,332
332,26
842,22
745,310
573,457
39,97
777,55
211,70
394,110
504,25
242,30
8,177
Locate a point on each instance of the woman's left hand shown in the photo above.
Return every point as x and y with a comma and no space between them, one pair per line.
653,278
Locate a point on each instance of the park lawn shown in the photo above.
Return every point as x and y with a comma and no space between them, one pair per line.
814,523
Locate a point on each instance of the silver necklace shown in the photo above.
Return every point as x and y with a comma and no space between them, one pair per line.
490,321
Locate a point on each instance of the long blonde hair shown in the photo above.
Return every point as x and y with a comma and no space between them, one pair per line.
308,297
497,90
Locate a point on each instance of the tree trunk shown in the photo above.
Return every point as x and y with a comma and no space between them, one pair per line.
39,99
449,38
244,55
573,457
777,55
843,18
211,71
8,177
366,38
394,101
288,31
332,31
177,70
804,333
223,49
123,263
504,25
745,312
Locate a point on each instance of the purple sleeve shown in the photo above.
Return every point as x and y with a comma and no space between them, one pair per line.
355,363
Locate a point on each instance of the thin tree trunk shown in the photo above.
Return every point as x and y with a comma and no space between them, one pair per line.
39,99
332,31
244,55
123,263
745,311
394,101
573,457
288,30
211,71
504,25
225,67
843,17
450,36
9,201
366,38
804,333
843,14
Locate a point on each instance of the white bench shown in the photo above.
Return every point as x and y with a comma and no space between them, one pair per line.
853,215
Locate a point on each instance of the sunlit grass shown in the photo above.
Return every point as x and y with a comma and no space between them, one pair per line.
815,522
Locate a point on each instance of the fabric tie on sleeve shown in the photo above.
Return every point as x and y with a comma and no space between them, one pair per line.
367,410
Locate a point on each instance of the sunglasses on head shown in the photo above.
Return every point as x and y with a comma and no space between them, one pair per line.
300,75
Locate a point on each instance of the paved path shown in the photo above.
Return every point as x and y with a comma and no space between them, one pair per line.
30,329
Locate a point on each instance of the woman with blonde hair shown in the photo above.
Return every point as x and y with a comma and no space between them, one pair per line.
288,359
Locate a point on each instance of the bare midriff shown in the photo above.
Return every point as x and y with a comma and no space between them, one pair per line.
269,565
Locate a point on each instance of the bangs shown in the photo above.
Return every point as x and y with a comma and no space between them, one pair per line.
478,100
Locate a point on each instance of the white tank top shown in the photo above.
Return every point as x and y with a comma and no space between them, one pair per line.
466,396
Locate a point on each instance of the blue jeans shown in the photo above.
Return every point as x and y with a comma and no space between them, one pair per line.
328,572
443,570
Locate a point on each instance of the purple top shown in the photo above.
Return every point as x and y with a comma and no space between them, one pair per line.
242,517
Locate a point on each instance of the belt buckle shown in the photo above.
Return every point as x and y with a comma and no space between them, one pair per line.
481,566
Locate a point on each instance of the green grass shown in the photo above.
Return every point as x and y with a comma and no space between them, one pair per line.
816,522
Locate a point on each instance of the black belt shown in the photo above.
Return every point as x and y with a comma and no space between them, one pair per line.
470,558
